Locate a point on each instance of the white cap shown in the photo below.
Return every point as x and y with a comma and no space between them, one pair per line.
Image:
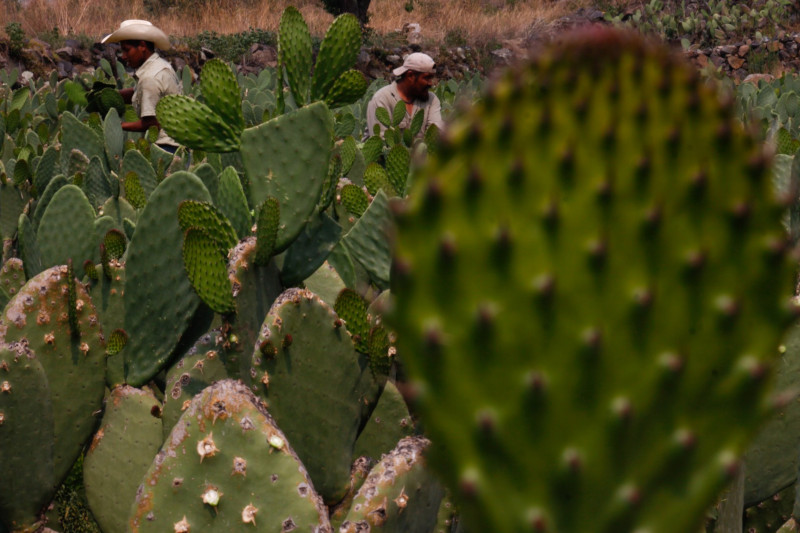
418,62
135,30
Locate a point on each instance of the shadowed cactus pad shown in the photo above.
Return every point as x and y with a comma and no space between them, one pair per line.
591,288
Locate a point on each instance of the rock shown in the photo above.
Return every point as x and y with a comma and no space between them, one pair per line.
702,60
64,69
755,78
744,50
503,54
263,57
26,76
393,59
735,62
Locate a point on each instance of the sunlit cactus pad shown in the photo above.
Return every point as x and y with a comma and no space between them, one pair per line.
591,286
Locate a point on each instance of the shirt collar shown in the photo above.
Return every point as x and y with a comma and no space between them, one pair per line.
144,66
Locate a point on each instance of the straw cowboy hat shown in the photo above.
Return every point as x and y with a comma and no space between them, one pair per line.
138,30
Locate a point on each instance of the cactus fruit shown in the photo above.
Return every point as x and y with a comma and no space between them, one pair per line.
591,284
120,455
227,467
399,495
318,388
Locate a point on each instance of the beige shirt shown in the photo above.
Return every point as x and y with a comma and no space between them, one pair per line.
387,97
154,80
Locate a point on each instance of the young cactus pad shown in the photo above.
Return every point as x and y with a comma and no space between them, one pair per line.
591,286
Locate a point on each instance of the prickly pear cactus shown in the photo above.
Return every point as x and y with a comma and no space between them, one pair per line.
591,288
227,467
120,454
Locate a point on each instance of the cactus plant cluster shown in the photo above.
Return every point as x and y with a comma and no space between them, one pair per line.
588,289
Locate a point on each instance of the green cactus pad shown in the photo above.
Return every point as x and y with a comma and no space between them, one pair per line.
221,93
227,467
388,423
206,268
96,184
398,162
12,278
372,149
195,125
134,192
135,161
47,168
771,513
107,295
158,308
204,215
267,230
76,135
28,247
67,228
114,138
46,197
352,308
348,149
35,324
120,455
367,241
331,182
337,53
326,283
310,250
255,288
771,463
203,365
348,89
294,53
376,178
590,279
26,440
287,158
399,495
354,199
318,388
232,201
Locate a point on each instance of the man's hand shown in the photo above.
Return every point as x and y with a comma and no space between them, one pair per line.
141,125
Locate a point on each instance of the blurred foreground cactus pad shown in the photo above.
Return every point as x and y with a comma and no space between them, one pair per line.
591,285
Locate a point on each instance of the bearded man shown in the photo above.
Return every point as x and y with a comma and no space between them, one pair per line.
412,86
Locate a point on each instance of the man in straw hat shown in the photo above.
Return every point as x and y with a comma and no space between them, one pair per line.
155,77
414,79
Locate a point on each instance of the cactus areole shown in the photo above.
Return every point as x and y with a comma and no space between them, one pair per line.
591,286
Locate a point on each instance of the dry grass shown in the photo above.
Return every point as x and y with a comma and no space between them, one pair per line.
480,21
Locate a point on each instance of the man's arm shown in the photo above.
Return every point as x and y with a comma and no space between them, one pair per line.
142,124
127,95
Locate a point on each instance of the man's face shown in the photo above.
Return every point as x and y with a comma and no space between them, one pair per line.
421,82
133,55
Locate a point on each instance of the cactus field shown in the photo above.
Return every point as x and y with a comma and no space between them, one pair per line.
571,310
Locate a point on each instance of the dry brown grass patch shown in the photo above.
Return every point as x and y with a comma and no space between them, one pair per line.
480,21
